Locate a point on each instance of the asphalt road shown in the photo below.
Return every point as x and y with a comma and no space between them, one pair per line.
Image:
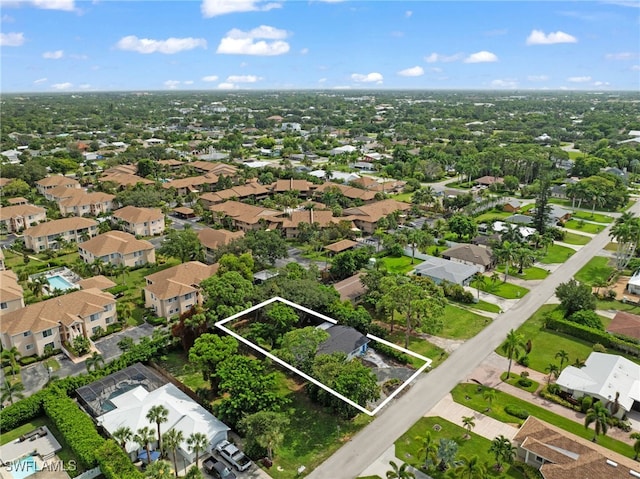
364,448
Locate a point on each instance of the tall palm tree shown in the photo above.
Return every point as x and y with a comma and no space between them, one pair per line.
489,395
553,371
197,443
468,422
159,470
626,232
512,344
636,444
480,282
506,252
95,361
171,440
144,437
597,415
563,356
471,468
399,472
503,451
10,391
11,355
158,414
429,450
37,285
123,435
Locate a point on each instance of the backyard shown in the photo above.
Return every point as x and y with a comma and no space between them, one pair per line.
401,265
557,254
596,272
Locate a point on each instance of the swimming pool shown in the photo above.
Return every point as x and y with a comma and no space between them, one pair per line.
58,282
24,467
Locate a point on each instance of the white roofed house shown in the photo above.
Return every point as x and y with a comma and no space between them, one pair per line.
633,286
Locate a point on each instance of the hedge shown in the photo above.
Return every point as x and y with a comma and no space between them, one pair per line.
76,427
391,353
515,411
593,336
21,412
115,463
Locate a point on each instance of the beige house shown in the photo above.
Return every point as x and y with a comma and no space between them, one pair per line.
140,221
175,290
302,187
366,217
55,321
212,239
82,203
117,248
471,254
45,235
251,189
322,219
245,217
193,184
11,293
45,185
215,168
16,218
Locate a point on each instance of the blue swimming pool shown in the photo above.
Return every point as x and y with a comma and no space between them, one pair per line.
58,282
23,468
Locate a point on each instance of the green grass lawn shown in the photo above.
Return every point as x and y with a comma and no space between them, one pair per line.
177,363
478,403
557,254
401,265
597,217
528,207
530,274
573,155
618,306
504,290
611,246
580,225
481,305
135,279
409,444
573,238
597,270
513,380
419,346
405,197
491,216
460,323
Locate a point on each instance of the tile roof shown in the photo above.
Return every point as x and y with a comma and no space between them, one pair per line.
114,242
212,239
250,189
323,218
470,253
124,179
350,288
217,168
292,185
60,226
342,245
81,198
180,279
625,323
245,213
100,282
135,215
67,309
57,180
192,181
374,211
10,289
349,191
20,210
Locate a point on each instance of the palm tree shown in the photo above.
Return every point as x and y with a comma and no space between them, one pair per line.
95,362
468,422
480,282
122,435
144,436
563,356
512,344
429,450
471,468
159,470
197,443
11,355
506,252
489,395
399,472
598,415
579,363
37,285
447,451
636,444
626,232
10,391
503,451
158,414
553,371
171,440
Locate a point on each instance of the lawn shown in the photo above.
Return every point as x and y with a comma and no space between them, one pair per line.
492,216
573,238
177,363
401,265
504,290
581,225
460,323
481,305
618,306
476,401
406,197
419,346
597,217
409,444
557,254
611,246
528,274
134,279
513,380
596,271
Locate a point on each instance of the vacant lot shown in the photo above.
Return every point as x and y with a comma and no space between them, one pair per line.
462,324
401,265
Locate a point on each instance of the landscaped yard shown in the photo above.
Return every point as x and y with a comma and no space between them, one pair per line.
481,305
401,265
611,246
476,401
462,324
581,225
514,381
573,238
504,290
406,197
420,346
408,446
492,216
597,217
557,254
596,271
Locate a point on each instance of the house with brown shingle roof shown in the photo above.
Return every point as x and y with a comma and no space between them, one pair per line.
366,217
175,290
140,221
212,239
18,200
16,218
302,187
82,203
350,289
11,293
45,235
471,254
340,246
351,192
50,182
215,168
51,323
193,184
100,282
123,180
245,217
558,454
117,248
321,218
488,180
251,189
625,324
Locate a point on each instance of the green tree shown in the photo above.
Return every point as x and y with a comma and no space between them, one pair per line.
626,233
506,252
242,264
95,362
171,441
489,395
480,281
447,452
266,428
553,370
123,435
503,451
197,443
159,470
598,415
158,414
11,356
428,450
511,346
468,422
543,210
266,246
463,226
144,437
299,346
563,356
226,294
636,444
470,468
209,350
574,297
399,471
10,391
182,244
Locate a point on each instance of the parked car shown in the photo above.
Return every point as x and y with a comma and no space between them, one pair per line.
234,455
217,469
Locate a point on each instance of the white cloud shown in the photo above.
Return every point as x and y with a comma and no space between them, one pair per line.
481,57
538,37
582,79
85,86
537,78
62,86
601,83
322,80
188,82
243,79
57,55
436,57
66,5
7,19
172,84
168,46
214,8
373,77
227,86
39,81
408,14
210,78
78,57
436,69
412,72
304,51
238,42
11,39
621,56
506,83
635,68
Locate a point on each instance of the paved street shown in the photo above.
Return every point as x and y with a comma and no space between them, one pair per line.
370,443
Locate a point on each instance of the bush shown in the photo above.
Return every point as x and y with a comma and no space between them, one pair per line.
523,360
587,318
554,388
515,411
457,293
599,348
21,412
525,382
154,320
121,288
10,370
546,394
586,403
28,360
114,462
392,353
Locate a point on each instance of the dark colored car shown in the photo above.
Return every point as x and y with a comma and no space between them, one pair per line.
217,469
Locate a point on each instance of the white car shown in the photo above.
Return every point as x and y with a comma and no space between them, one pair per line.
234,455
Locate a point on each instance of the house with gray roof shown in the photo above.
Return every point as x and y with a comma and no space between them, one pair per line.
471,254
343,339
439,270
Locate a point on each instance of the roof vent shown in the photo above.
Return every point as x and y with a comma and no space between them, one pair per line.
634,473
611,463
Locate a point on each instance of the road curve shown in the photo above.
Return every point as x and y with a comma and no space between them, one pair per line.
366,446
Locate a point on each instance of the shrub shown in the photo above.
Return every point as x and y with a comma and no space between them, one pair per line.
28,360
157,321
515,411
554,388
523,360
114,462
587,318
100,332
586,403
392,353
10,370
121,288
546,394
599,348
21,412
525,382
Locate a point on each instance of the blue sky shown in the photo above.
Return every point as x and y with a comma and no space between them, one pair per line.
104,45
